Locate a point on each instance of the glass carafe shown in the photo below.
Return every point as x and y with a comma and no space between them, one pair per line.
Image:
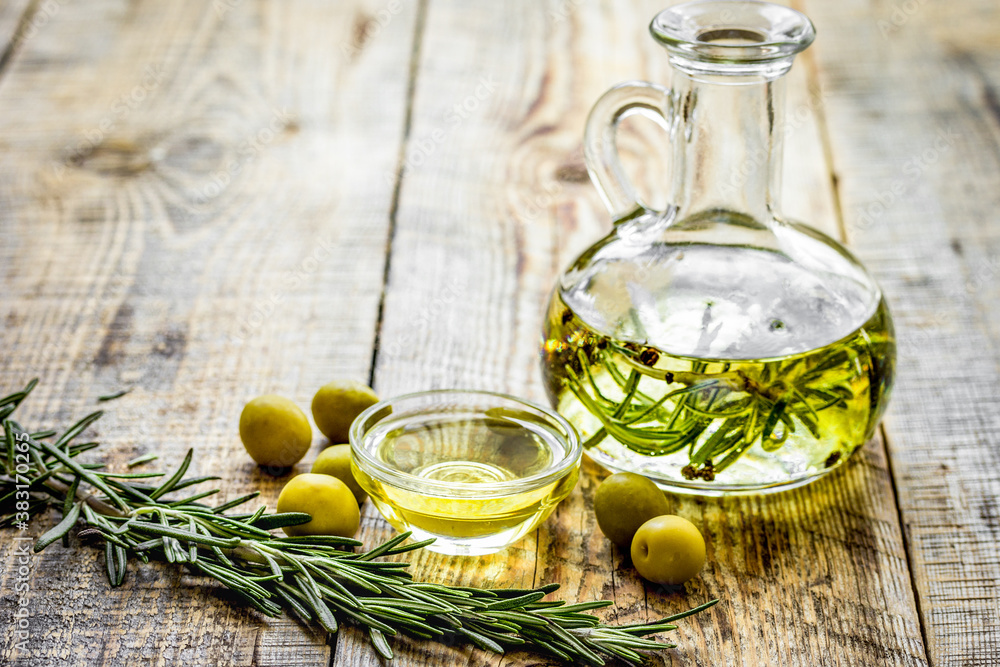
714,346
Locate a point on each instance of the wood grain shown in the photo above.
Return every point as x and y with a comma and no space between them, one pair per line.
915,135
191,205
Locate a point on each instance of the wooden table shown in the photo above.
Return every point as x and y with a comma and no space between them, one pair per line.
210,200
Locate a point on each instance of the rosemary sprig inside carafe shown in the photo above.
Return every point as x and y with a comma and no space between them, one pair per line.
320,579
709,413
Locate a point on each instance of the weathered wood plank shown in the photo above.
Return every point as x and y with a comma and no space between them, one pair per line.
493,203
915,128
191,205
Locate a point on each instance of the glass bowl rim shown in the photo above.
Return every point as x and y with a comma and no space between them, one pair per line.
385,474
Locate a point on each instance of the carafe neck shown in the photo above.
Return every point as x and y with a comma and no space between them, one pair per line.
729,59
727,146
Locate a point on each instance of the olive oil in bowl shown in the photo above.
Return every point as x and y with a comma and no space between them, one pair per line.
474,470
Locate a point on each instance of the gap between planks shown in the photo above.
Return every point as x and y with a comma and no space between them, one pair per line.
411,87
15,41
907,546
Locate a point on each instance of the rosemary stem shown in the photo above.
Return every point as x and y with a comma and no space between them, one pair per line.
596,439
630,388
91,499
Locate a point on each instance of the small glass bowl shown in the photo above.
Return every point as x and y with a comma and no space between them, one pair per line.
473,469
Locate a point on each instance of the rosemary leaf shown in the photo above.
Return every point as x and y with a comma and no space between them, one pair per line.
236,502
139,460
273,521
76,429
482,642
111,397
60,529
176,477
514,603
380,644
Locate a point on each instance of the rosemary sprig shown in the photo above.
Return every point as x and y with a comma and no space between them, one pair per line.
715,415
319,579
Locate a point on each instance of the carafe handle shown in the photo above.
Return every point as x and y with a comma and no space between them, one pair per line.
600,145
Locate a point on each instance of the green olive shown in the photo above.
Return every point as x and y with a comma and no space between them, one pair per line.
624,502
336,461
336,404
275,431
668,550
331,504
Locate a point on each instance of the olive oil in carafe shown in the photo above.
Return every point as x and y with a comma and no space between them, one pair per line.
717,424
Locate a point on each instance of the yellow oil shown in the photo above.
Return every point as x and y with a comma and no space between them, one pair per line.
482,461
717,425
